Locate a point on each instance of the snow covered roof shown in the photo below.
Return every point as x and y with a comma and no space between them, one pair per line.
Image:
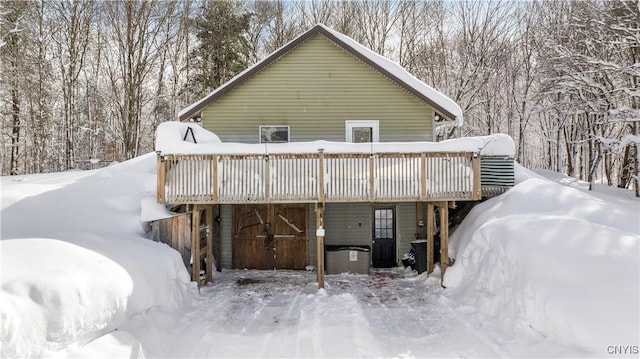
172,138
392,70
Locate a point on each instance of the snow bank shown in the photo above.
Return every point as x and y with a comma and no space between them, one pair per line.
552,261
74,262
170,139
175,137
152,210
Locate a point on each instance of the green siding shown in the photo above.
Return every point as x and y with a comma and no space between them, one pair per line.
311,247
225,233
314,89
348,223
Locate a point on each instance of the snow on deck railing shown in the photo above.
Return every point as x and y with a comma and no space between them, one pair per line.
194,166
347,177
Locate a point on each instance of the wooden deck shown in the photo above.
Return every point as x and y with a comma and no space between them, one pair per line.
319,177
435,178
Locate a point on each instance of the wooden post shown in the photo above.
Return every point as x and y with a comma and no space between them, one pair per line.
160,176
195,245
209,269
320,244
444,238
320,177
218,241
477,187
267,180
430,239
423,176
372,182
214,179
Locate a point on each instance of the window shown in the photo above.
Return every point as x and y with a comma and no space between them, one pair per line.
383,225
274,134
362,131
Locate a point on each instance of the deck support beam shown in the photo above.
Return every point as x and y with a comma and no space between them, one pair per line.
444,239
198,253
195,244
218,237
209,268
320,244
430,239
161,178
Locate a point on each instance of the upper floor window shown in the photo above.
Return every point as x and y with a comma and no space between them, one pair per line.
362,131
274,134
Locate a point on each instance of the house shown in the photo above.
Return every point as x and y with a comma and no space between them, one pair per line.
322,142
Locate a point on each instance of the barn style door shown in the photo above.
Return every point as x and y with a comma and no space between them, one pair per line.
269,236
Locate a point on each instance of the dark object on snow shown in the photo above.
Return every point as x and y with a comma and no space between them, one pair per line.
186,134
410,259
420,249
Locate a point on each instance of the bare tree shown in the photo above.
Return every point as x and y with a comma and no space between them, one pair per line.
523,76
273,24
133,26
14,67
73,19
315,12
374,22
40,103
590,62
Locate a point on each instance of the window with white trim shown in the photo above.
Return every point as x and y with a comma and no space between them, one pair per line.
274,134
362,131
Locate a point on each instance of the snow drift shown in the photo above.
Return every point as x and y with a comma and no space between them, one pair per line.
552,260
74,262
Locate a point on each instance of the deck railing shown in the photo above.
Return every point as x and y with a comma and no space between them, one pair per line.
319,177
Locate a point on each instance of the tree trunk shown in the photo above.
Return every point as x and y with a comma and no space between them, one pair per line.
637,161
559,147
594,166
569,151
15,131
625,171
637,169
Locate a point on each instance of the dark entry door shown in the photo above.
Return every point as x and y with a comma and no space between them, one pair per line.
384,237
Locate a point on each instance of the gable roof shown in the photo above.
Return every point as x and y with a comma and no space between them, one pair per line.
396,73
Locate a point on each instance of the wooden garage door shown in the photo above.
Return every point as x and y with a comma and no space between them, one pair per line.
269,236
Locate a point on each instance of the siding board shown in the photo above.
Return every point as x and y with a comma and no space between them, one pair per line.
311,247
225,230
348,223
405,227
314,89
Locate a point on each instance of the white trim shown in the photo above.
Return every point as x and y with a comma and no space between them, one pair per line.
263,126
350,124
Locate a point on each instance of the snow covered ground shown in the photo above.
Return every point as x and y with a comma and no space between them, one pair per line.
547,269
